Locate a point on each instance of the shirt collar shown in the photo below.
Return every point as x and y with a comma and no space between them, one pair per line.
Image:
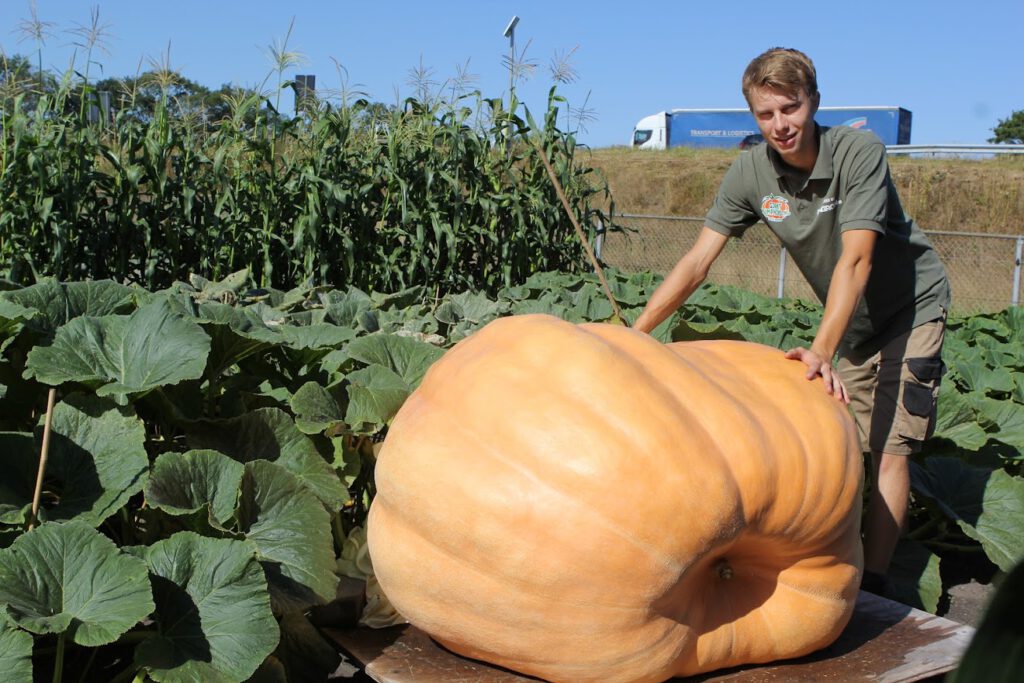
822,165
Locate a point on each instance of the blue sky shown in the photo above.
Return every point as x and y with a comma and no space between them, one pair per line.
955,65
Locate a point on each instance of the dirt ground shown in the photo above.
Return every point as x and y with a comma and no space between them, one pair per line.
967,602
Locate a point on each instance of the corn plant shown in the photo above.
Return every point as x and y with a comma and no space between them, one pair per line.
449,193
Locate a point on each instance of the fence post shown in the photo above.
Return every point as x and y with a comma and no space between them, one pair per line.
599,239
1015,299
782,273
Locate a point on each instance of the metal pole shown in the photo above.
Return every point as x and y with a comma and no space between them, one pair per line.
510,33
599,240
782,273
512,63
1015,299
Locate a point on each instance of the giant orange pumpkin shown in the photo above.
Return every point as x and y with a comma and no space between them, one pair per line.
584,503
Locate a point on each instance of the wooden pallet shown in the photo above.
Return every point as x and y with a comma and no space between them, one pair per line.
885,642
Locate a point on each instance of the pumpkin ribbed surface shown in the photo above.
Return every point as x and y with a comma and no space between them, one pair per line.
584,503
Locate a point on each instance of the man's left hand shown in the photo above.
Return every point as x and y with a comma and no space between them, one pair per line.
816,365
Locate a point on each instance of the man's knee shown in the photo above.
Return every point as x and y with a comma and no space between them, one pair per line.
891,463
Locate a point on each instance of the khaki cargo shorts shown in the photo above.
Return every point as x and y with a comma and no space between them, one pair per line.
893,393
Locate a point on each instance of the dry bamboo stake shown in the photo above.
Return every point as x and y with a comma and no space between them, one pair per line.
50,400
580,233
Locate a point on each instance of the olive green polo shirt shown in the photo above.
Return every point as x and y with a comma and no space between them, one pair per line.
849,189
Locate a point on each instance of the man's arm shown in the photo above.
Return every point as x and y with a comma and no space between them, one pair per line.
844,293
683,280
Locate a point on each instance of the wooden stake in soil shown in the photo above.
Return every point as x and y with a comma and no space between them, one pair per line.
580,233
50,400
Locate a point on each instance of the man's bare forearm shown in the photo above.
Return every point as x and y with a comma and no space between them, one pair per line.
682,281
844,293
669,296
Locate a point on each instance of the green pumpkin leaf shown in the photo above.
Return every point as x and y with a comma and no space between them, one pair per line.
375,393
1000,526
346,308
315,408
13,313
957,421
317,336
123,355
57,303
914,576
12,319
292,533
212,611
271,670
547,304
225,290
589,303
475,307
70,578
409,358
404,298
97,461
15,653
17,485
185,483
235,332
978,376
1008,418
271,434
987,505
303,652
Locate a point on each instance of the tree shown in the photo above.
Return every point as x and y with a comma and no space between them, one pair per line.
19,78
1010,130
139,97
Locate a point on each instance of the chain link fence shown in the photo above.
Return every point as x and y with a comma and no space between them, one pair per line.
984,270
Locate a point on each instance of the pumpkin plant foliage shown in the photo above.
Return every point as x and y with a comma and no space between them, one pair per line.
215,420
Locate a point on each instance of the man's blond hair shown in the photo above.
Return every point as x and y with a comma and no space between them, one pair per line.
783,69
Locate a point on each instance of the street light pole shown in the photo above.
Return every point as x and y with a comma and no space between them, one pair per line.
510,33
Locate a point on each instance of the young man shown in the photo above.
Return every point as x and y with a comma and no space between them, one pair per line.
827,195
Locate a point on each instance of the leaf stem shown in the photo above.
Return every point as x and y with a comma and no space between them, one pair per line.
58,667
88,665
941,545
338,529
132,673
926,528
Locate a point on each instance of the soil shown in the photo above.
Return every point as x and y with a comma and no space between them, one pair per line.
967,602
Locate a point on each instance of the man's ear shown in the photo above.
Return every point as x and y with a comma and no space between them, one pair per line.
815,101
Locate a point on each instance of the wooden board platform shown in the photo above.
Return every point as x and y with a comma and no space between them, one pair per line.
885,642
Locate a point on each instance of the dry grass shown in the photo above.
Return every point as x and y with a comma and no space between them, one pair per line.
941,194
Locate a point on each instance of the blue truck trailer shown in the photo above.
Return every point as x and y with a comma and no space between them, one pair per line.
737,128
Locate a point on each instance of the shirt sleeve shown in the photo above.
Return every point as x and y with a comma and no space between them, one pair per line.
731,213
864,188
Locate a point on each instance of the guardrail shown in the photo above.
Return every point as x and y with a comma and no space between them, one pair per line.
955,150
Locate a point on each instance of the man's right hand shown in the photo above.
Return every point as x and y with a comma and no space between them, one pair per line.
818,366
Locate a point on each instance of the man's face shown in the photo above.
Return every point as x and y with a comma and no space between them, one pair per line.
787,124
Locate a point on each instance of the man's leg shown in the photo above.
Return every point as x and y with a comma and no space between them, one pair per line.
902,417
886,516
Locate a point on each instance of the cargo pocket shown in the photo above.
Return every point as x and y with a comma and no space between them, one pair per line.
920,390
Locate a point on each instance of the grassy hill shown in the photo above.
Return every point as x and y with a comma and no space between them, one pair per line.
961,195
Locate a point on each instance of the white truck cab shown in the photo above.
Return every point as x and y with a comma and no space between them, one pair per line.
651,132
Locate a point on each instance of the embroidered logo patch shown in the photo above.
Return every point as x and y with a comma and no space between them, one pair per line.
828,204
775,208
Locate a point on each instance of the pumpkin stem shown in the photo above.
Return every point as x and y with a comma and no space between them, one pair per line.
723,569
